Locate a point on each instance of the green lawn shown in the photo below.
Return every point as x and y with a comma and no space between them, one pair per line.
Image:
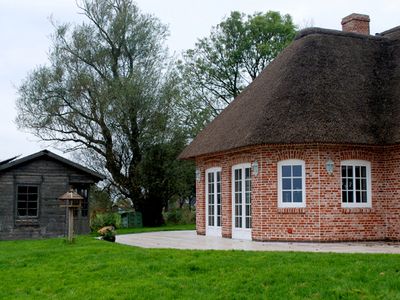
95,269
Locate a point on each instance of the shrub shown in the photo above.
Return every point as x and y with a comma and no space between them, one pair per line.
105,219
180,216
107,233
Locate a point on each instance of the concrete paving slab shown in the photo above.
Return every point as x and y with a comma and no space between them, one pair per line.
188,239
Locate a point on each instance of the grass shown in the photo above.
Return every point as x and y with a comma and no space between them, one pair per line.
95,269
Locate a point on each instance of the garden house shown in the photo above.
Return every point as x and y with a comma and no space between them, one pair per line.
29,192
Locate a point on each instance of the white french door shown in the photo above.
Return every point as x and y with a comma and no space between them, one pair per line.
213,202
241,201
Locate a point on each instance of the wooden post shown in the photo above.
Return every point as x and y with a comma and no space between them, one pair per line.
71,200
70,224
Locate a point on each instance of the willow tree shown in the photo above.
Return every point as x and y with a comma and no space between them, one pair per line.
108,91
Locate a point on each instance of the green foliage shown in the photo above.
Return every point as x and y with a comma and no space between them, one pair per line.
105,219
100,201
93,269
180,216
223,64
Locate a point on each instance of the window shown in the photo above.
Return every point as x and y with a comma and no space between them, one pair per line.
291,183
356,183
83,191
27,201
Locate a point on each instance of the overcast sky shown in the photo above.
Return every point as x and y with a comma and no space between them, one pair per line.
25,29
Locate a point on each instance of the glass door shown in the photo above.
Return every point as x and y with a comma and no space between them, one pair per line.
241,201
213,202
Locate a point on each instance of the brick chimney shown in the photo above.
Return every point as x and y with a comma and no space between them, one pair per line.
356,23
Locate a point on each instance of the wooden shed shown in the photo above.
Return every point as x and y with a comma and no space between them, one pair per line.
29,191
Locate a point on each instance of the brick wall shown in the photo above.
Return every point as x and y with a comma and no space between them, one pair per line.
323,218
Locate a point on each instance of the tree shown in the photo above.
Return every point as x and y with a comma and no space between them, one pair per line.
223,64
110,93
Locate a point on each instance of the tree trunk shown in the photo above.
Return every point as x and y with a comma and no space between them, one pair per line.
152,212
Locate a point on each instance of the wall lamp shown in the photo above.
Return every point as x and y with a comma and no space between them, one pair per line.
198,175
254,166
329,166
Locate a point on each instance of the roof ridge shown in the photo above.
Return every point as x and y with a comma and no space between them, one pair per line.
54,156
318,30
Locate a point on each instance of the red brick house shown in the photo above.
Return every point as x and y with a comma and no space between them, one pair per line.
310,150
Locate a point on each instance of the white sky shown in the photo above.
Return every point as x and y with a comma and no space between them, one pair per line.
25,29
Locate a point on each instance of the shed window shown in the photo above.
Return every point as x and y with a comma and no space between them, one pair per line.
356,183
291,183
27,201
85,202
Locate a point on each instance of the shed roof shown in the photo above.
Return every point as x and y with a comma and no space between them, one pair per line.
327,86
46,153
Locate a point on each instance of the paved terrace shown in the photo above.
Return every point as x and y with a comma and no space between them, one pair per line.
190,240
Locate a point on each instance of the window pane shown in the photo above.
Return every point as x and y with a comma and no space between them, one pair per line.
247,185
350,197
297,171
32,212
286,184
344,171
364,171
364,197
297,184
210,177
32,205
358,184
286,171
21,204
357,171
22,212
247,173
248,198
286,196
344,184
350,184
363,184
32,189
349,171
344,197
22,197
297,196
358,197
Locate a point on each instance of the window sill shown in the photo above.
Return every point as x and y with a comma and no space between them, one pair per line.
291,210
27,222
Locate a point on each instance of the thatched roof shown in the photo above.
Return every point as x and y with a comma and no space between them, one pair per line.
328,86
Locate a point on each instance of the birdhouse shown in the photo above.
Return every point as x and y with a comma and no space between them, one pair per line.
71,199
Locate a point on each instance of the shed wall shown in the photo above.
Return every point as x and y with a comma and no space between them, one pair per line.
53,179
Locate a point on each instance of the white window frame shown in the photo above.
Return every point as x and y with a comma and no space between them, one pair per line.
213,230
291,162
357,163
